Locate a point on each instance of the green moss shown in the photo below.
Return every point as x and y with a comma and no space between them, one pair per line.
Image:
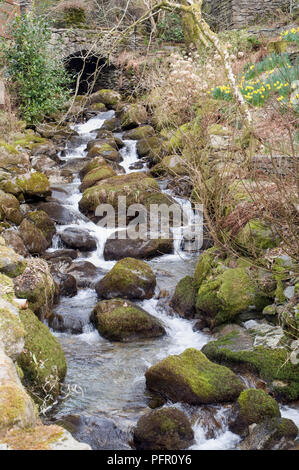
229,294
11,263
13,404
272,365
166,428
129,278
256,237
42,360
206,262
134,186
96,175
183,300
34,185
43,222
119,320
192,378
133,115
6,288
138,133
256,405
11,329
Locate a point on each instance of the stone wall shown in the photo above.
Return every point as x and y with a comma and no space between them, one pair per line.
225,14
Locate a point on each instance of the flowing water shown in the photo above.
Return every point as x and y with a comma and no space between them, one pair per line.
109,377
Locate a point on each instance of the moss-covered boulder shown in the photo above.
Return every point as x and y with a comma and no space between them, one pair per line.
12,160
164,429
33,237
120,320
112,124
34,185
97,162
109,98
271,365
42,360
95,175
137,187
191,378
44,223
11,263
221,297
151,148
133,115
172,165
11,329
10,208
253,406
37,286
16,407
256,236
97,107
183,299
129,279
271,434
141,132
105,150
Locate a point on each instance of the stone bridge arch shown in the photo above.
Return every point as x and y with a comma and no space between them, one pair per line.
82,54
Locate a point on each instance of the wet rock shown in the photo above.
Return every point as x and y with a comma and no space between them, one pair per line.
57,212
164,429
100,433
120,320
37,286
44,374
69,253
183,300
34,185
85,273
13,240
10,208
133,115
191,378
66,282
129,279
138,133
253,406
272,434
136,166
116,249
78,238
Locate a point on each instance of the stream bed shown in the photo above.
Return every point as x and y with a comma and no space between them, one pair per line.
106,380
